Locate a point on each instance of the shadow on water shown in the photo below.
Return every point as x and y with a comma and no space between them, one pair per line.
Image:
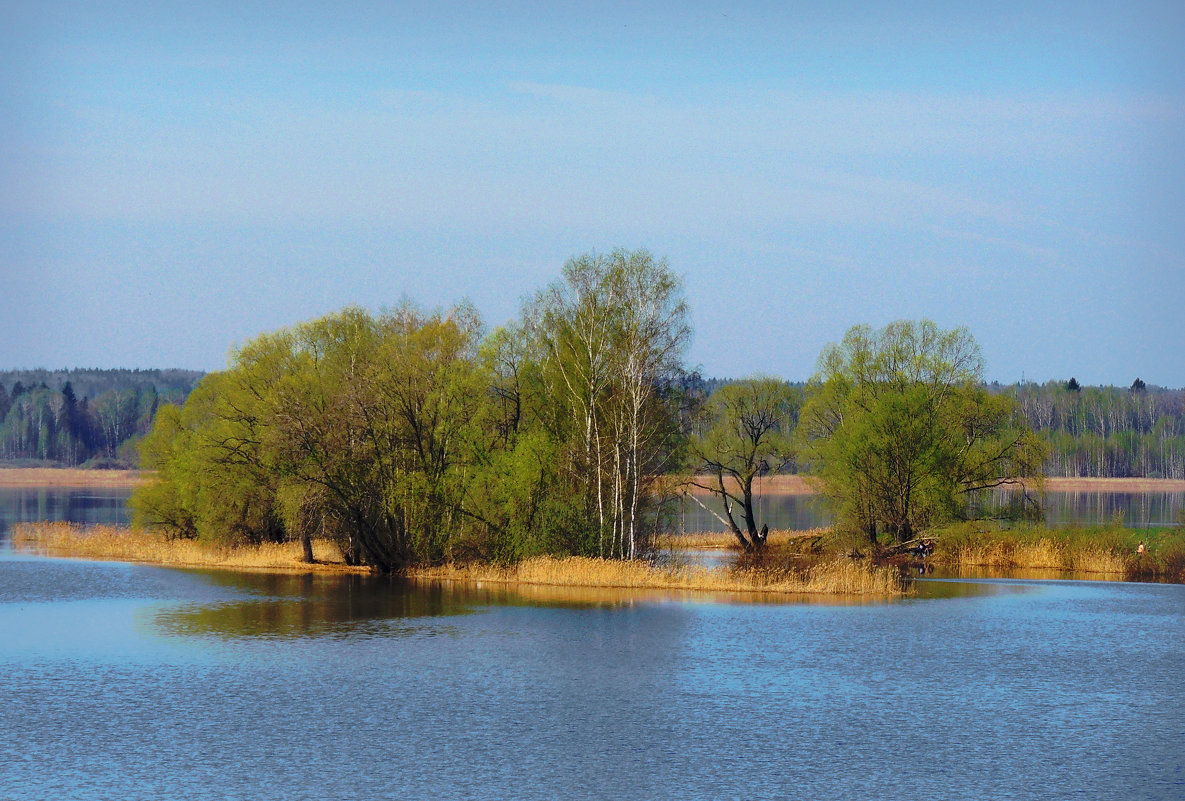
294,606
289,606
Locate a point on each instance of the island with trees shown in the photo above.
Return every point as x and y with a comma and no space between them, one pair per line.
417,442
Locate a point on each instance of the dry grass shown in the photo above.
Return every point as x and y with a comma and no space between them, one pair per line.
131,545
1006,553
1043,554
1109,552
70,477
1115,485
841,576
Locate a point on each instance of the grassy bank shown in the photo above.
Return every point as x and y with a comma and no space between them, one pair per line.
833,576
1106,550
129,545
1109,552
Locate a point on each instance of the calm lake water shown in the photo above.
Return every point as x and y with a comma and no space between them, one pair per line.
136,682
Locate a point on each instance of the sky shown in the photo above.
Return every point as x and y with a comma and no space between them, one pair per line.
176,178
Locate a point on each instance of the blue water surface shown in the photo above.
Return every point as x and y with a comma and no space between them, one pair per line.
135,682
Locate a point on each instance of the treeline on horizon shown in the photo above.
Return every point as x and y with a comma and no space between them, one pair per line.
1107,432
96,418
1092,431
83,417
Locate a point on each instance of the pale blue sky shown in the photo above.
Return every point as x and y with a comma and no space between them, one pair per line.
177,179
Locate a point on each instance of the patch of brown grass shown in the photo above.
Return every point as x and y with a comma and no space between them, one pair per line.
133,545
762,485
841,576
1074,484
1102,552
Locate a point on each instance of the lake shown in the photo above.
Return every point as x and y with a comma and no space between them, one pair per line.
137,682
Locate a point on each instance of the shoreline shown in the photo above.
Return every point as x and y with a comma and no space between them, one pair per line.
836,577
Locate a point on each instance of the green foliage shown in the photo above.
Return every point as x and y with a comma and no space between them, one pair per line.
900,429
411,441
610,337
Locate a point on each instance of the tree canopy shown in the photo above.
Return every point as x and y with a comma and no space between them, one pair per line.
411,438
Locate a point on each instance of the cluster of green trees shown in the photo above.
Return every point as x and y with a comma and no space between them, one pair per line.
410,437
903,433
83,416
896,423
1107,431
414,437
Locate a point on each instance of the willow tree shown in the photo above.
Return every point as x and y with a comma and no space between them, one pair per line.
351,426
901,431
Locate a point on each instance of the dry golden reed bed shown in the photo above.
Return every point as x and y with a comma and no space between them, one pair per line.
129,545
841,576
1043,554
762,485
1110,552
70,477
1115,485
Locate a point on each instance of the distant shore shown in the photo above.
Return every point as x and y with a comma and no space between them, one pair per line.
766,485
70,477
805,485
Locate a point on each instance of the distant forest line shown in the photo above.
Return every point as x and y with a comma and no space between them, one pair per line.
87,417
96,418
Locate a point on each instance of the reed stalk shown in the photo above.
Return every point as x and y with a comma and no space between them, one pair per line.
1108,551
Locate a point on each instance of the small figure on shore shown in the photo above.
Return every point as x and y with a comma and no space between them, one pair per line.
1140,549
